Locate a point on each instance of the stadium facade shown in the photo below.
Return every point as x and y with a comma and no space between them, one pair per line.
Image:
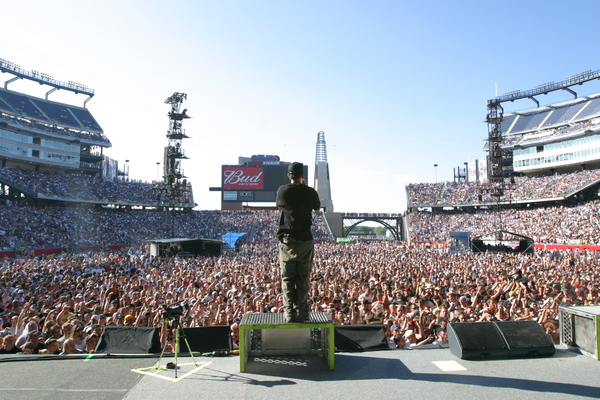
560,138
557,138
52,152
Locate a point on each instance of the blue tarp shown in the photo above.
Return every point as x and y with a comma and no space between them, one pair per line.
231,238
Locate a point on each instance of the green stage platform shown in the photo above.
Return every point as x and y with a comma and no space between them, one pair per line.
267,334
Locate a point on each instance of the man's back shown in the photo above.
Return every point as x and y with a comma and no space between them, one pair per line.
297,203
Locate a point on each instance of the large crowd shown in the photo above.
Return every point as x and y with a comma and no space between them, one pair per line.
60,304
567,224
25,227
413,291
58,130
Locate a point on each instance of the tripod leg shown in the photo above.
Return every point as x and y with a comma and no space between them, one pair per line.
188,347
176,349
163,351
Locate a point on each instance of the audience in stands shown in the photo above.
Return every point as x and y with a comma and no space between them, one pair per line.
78,187
58,130
574,225
59,304
523,188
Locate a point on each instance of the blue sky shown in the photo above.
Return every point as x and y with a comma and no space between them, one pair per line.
396,86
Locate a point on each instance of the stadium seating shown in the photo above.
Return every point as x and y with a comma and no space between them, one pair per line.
20,104
525,188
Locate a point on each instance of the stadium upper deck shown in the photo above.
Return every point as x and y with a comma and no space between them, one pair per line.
42,135
26,111
552,153
560,137
554,116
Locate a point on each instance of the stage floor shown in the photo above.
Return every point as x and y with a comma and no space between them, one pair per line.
420,374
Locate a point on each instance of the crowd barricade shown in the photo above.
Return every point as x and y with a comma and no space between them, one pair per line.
7,254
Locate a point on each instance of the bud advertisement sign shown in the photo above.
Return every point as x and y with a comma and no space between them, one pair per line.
243,178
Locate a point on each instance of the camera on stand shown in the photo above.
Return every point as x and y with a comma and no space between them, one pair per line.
175,310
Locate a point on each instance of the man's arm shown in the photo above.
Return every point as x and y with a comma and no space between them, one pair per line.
5,294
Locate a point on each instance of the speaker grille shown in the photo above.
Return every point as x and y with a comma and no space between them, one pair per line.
478,336
524,334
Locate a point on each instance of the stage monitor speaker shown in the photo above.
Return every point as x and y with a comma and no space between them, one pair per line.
526,339
502,339
468,340
360,337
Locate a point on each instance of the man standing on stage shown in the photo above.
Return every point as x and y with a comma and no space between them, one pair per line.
296,201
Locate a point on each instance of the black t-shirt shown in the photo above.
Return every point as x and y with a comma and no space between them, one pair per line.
14,350
40,346
297,202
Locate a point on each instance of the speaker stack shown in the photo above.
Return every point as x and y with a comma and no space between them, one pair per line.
580,329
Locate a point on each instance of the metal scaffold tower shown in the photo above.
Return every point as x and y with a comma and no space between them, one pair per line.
175,191
497,187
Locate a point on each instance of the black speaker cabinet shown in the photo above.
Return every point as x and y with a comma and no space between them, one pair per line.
207,338
518,339
129,340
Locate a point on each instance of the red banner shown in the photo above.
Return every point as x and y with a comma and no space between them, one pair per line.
243,178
